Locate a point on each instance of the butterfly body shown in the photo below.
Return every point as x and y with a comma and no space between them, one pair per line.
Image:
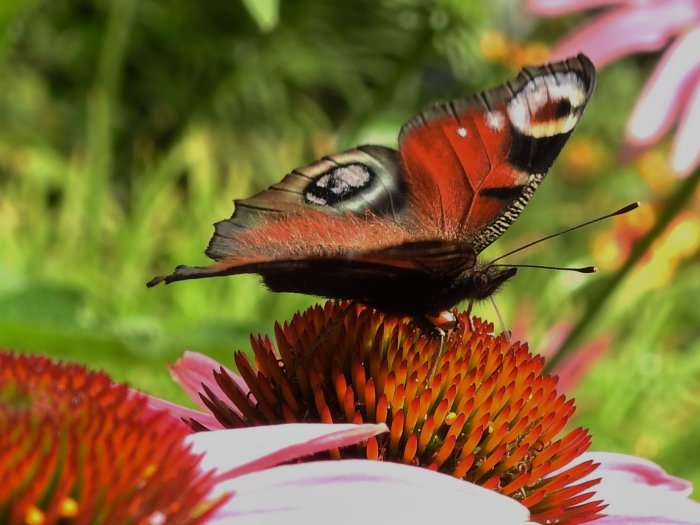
406,291
401,230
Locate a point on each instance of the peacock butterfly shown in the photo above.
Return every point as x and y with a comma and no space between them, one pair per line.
401,230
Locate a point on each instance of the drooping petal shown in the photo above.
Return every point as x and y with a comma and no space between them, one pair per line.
179,412
685,153
234,452
638,491
564,7
666,92
363,491
626,30
193,370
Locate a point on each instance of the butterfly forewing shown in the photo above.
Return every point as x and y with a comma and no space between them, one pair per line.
472,164
336,205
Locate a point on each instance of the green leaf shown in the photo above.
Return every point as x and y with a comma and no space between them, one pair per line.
264,12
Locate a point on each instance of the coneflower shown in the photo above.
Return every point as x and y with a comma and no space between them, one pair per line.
484,412
77,448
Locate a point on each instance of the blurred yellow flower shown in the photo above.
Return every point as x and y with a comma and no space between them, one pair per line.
646,447
495,47
607,253
611,247
655,171
582,156
530,53
683,236
658,267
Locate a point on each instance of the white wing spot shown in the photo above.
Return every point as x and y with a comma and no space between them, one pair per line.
495,120
543,90
462,132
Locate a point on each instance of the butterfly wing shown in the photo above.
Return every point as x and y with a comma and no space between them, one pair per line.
319,209
395,229
472,164
347,203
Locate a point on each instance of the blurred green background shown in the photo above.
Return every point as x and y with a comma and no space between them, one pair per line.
127,127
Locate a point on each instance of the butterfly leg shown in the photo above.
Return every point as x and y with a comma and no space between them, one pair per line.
469,315
440,324
436,362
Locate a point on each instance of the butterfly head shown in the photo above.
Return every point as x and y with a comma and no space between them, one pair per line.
483,282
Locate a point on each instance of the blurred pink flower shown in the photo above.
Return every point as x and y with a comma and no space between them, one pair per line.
572,367
672,95
635,490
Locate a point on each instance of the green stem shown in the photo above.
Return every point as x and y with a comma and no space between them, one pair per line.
102,106
672,207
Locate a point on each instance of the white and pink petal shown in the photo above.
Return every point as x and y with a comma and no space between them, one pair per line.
565,7
639,492
234,452
664,96
362,491
685,152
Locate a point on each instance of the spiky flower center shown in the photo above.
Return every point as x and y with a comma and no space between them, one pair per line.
469,404
77,448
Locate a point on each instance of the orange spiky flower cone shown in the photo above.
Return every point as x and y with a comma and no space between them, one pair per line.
488,414
77,448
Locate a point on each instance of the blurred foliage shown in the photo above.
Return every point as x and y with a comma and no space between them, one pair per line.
126,129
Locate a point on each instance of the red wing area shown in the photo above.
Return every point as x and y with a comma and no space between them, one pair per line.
453,156
472,164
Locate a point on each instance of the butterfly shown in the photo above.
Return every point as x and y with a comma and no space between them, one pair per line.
400,230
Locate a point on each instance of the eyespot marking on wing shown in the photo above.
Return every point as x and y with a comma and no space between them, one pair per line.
549,104
339,184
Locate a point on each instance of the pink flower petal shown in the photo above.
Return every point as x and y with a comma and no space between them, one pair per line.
626,30
357,491
685,154
666,92
563,7
572,367
234,452
638,491
555,336
179,412
194,369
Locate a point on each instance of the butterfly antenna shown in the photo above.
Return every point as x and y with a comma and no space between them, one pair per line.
621,211
584,269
